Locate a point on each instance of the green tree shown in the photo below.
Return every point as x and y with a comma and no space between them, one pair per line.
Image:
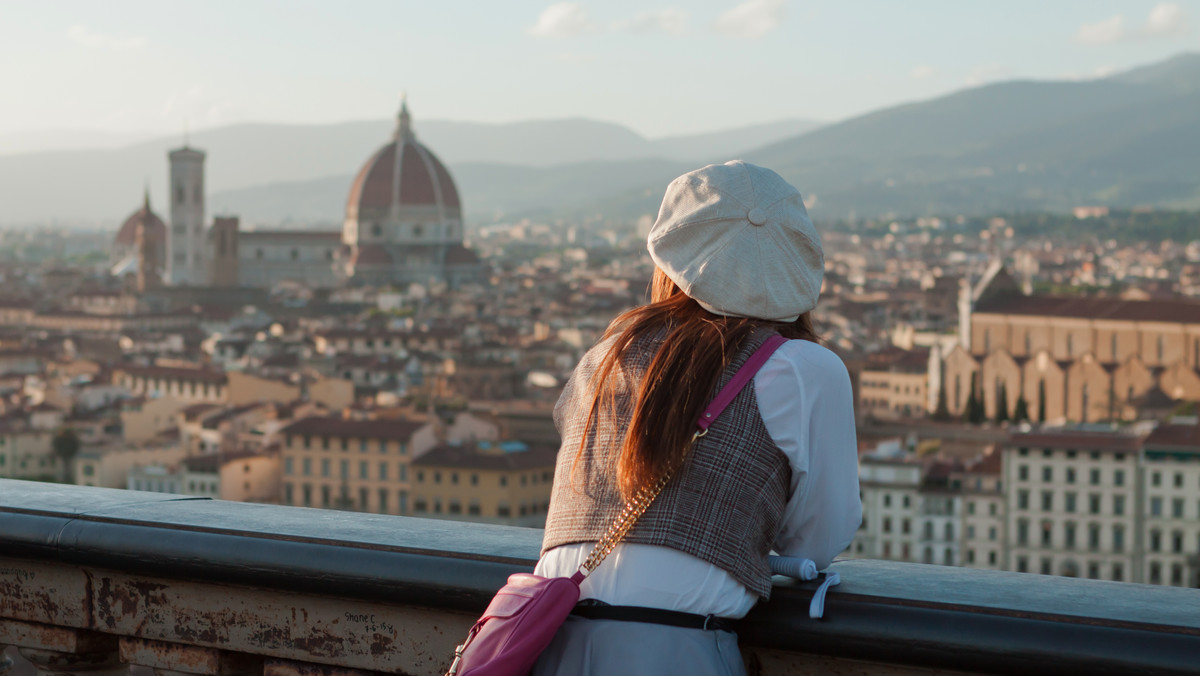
941,412
1002,403
1042,401
1021,410
65,445
974,409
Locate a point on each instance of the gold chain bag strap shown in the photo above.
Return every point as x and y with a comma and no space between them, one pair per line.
526,613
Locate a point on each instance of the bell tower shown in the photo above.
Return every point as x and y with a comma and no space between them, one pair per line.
185,264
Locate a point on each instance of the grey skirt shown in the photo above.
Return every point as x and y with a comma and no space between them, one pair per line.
584,647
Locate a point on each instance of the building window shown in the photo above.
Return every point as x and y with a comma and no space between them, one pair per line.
887,500
344,466
473,508
1118,572
258,253
1094,536
503,480
1156,541
1095,477
362,499
1093,570
1023,473
474,479
325,467
383,471
1118,538
1156,506
1094,503
1069,535
887,524
1069,503
287,466
1022,564
1156,479
376,231
1119,477
419,506
1047,501
1023,532
1119,505
363,472
383,501
307,462
306,490
1022,499
418,230
1177,508
295,254
1177,542
1178,480
1070,475
1155,572
1047,533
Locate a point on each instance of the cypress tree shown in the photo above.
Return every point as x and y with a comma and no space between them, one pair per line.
1002,403
1021,410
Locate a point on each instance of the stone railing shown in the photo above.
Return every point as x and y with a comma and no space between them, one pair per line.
93,580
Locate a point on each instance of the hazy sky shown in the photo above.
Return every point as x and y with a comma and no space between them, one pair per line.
659,67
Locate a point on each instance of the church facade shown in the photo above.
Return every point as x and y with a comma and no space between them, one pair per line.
1072,359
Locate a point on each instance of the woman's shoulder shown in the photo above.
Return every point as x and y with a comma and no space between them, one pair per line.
811,357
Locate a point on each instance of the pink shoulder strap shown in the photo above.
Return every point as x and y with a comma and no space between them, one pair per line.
739,380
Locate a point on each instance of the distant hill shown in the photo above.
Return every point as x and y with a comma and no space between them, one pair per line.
1130,139
106,184
489,191
1127,140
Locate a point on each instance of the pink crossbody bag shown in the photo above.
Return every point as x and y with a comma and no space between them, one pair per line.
524,615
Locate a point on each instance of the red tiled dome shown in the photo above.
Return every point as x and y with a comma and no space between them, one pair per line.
371,254
156,231
423,178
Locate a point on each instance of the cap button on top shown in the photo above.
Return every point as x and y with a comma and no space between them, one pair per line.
757,216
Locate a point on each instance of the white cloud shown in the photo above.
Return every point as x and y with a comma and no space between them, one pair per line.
752,19
923,72
981,75
1104,71
81,35
1103,32
563,20
672,21
1166,20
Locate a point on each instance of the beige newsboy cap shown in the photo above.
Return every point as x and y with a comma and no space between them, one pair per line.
737,238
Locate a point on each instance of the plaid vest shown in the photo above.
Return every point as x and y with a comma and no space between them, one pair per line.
725,504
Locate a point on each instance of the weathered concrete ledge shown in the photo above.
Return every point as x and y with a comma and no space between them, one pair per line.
209,587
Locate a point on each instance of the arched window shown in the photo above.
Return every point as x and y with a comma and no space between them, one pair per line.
179,194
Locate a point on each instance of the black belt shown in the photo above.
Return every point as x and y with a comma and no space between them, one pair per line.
671,618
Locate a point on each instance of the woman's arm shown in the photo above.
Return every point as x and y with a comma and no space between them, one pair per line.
806,402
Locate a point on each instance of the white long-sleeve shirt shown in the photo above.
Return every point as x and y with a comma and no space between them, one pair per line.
806,403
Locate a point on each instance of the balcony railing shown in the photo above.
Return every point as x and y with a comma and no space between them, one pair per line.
93,580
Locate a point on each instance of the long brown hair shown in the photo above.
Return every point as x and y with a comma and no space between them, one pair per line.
696,349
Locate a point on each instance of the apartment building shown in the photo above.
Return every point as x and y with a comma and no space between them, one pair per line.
504,482
894,384
363,465
1072,503
1111,504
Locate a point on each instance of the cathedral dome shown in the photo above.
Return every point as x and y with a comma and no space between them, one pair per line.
156,230
401,174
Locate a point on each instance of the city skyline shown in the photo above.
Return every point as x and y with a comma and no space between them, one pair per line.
151,69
